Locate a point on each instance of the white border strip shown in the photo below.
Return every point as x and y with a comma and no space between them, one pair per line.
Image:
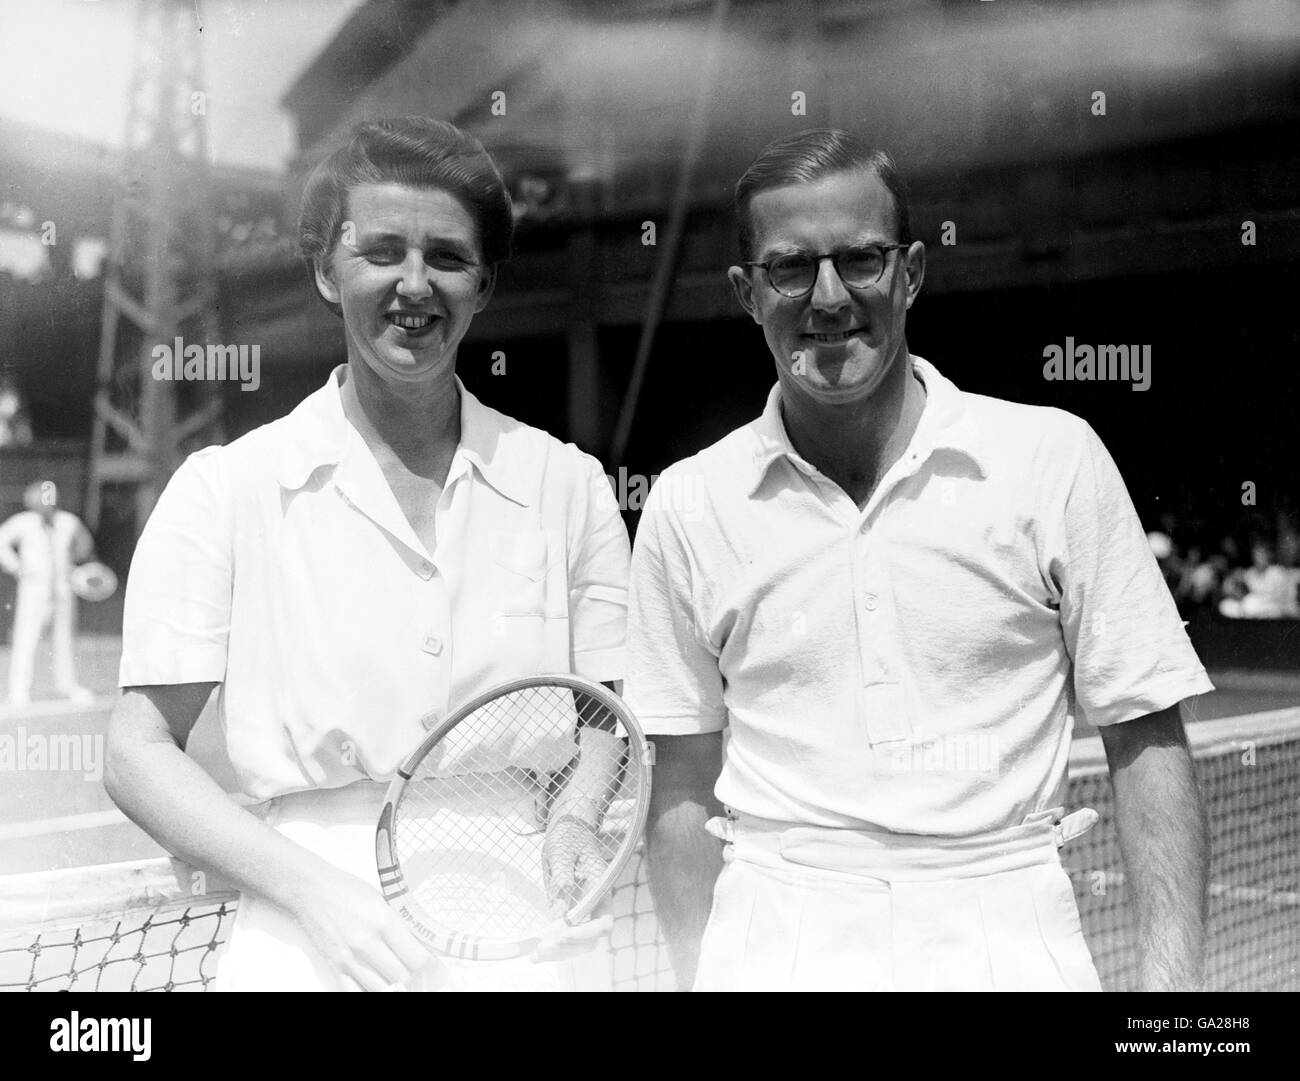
1207,738
1087,757
47,901
90,820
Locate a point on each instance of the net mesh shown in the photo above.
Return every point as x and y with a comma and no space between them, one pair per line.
148,944
1251,784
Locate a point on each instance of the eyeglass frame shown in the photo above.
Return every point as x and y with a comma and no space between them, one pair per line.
834,257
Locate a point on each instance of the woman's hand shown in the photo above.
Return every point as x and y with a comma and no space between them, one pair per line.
563,943
363,940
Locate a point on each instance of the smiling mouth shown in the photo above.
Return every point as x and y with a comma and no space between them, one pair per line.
410,322
837,337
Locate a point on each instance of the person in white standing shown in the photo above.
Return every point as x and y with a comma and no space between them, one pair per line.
871,642
346,576
40,546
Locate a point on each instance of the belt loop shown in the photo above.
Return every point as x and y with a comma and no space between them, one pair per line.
1075,824
724,829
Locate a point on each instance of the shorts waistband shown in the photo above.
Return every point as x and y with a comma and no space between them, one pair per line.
900,857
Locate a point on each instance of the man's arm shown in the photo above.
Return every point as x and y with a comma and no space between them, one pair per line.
683,859
1163,837
83,544
8,552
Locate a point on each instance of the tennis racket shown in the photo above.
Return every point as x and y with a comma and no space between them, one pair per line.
519,810
93,582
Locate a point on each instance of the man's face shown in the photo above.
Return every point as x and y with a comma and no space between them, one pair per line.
409,278
42,497
850,339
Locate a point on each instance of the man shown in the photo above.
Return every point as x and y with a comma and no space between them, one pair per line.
872,643
39,547
15,428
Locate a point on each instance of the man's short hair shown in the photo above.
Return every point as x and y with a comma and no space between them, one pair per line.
811,155
415,151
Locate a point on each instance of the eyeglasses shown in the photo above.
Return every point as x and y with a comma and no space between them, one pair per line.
794,276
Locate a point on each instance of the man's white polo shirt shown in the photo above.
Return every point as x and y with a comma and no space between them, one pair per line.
282,567
915,666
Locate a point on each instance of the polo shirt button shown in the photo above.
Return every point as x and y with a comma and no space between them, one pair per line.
425,570
432,644
869,602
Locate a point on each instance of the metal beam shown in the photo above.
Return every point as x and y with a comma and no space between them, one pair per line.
161,233
667,266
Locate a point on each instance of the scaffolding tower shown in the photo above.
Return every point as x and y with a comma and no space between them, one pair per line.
159,281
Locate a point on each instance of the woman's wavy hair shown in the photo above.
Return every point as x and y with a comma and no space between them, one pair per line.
416,151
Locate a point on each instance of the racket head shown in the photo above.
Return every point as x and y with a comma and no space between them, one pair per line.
461,839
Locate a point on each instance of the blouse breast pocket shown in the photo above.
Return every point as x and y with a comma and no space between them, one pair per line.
521,564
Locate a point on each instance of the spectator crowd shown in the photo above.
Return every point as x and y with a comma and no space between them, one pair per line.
1252,573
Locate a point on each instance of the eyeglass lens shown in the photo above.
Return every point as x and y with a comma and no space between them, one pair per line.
857,267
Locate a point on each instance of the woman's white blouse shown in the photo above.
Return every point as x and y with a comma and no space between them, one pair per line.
281,566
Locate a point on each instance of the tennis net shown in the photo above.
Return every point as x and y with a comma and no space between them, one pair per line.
155,925
1248,769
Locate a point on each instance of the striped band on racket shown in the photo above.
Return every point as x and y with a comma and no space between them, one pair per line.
517,811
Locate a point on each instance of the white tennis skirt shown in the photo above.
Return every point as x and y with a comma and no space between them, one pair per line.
801,909
268,951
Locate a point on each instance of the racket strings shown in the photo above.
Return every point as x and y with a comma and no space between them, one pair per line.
532,781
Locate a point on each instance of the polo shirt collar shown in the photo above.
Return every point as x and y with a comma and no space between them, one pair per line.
946,424
320,435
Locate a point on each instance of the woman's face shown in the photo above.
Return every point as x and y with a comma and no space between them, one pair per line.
407,273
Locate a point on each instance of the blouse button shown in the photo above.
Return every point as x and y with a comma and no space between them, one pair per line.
432,644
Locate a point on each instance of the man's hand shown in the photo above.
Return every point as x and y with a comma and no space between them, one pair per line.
1162,834
571,858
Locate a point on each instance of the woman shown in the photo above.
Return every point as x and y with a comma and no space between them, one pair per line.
348,574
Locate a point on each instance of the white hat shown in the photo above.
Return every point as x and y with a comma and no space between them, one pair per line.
1161,546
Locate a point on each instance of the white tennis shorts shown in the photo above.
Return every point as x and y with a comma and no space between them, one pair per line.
804,909
268,951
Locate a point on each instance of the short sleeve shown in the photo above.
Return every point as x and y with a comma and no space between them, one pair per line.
598,573
673,684
178,592
1130,651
